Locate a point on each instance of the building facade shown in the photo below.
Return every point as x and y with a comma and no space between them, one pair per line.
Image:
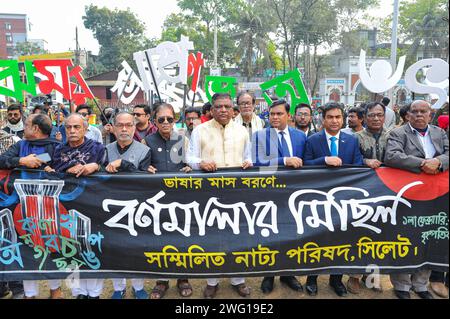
345,86
13,30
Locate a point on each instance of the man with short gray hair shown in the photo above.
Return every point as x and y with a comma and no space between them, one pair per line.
420,148
247,117
126,155
80,156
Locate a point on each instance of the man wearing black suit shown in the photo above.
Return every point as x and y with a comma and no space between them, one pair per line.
333,148
287,146
304,119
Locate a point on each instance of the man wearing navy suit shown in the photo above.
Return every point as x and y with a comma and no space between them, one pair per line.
333,148
280,146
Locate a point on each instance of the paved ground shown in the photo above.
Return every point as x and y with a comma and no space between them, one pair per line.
225,292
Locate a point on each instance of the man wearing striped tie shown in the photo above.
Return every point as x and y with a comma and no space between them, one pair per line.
333,148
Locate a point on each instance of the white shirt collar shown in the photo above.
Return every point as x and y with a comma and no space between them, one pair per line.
286,130
417,132
330,136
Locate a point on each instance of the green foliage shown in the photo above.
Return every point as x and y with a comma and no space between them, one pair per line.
180,24
28,48
275,58
119,33
206,10
423,25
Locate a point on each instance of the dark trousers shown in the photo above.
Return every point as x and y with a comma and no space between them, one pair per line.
15,286
437,276
3,288
333,278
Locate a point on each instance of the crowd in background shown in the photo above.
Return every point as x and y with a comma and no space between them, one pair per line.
227,133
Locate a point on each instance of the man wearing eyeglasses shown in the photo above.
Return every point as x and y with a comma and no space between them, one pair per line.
92,132
304,119
221,143
372,144
247,117
144,127
15,123
167,147
126,155
373,139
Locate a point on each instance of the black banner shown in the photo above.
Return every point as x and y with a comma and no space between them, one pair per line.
227,224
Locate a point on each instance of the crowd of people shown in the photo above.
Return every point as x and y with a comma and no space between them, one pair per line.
228,134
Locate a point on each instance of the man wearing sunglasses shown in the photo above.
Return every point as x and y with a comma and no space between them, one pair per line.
144,127
221,143
15,123
167,149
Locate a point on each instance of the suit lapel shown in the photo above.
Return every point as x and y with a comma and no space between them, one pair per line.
324,144
435,139
415,140
272,139
342,145
293,144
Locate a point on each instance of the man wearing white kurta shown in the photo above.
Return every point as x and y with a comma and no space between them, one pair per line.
220,143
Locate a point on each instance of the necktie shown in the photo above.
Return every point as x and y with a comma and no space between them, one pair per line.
284,146
334,150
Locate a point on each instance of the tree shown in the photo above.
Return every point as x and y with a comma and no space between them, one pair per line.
180,24
207,10
250,31
275,60
310,23
317,28
424,26
28,48
196,21
119,33
287,12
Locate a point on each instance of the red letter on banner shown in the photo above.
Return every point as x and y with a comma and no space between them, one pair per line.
80,97
47,86
195,64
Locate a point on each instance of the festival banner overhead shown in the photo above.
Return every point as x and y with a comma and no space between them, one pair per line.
59,75
381,78
308,221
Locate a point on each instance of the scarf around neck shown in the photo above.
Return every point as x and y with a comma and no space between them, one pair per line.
15,127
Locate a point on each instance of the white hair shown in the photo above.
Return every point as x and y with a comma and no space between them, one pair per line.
85,122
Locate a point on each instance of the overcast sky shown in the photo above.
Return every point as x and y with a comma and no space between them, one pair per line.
55,20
